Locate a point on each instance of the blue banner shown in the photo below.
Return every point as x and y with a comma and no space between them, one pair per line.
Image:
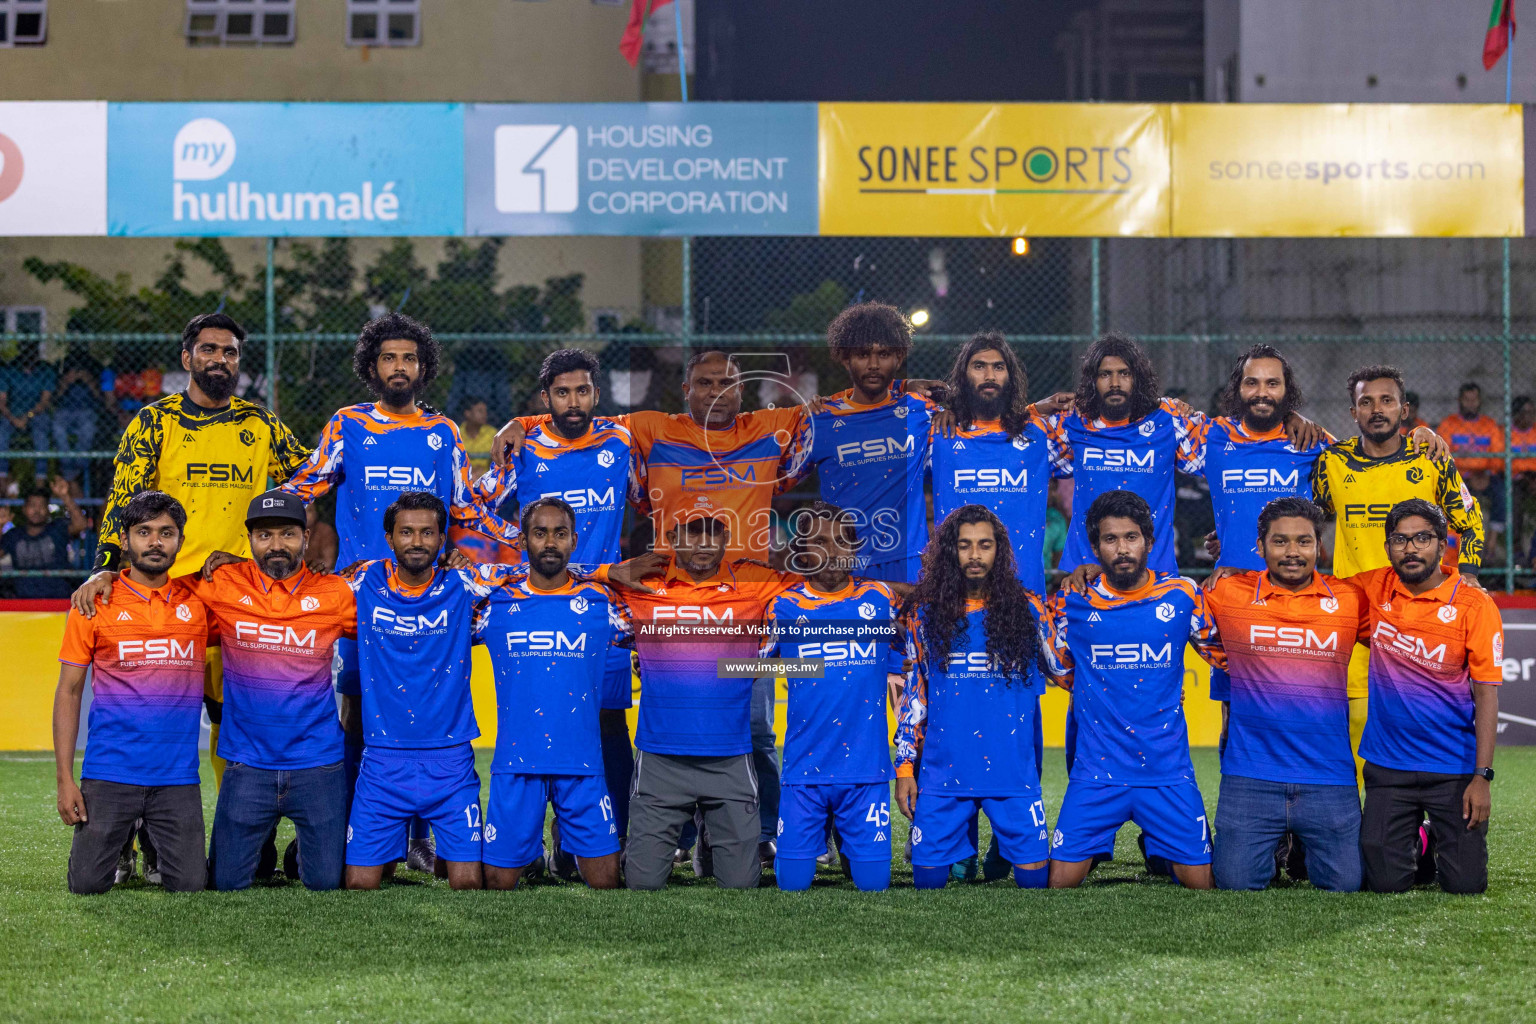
640,169
285,169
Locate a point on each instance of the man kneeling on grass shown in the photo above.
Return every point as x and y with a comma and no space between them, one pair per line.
146,662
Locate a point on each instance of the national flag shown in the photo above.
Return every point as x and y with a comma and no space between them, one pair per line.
639,10
1501,30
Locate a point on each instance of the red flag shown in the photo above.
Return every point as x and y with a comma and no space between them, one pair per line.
639,10
1501,29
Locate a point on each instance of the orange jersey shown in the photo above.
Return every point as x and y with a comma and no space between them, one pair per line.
277,638
1473,440
1427,650
681,632
1288,655
736,469
1522,441
145,649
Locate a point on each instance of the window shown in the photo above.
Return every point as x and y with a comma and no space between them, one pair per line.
22,319
383,22
223,22
23,22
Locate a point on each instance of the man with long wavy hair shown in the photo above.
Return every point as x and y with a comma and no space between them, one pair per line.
971,703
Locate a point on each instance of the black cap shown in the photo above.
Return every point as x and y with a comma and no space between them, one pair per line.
276,505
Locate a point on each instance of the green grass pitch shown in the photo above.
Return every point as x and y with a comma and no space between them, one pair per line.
1126,947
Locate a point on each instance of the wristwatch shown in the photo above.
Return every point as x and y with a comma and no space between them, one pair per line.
1486,773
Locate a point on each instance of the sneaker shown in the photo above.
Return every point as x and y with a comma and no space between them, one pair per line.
152,875
1424,850
560,862
291,859
767,850
266,863
965,871
540,866
680,857
1155,865
906,850
827,859
1296,858
125,867
421,855
994,866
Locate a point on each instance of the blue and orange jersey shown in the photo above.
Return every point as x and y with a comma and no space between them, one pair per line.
972,722
834,727
739,468
1522,445
413,647
1427,650
594,473
1122,656
1009,475
1140,456
1247,470
145,649
680,632
549,650
1288,655
1474,441
278,637
869,460
371,456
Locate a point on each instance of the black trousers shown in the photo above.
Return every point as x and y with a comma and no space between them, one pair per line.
173,817
1395,804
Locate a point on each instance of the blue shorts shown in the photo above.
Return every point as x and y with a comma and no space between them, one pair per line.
1171,817
514,817
395,785
941,832
862,811
1221,684
618,681
349,679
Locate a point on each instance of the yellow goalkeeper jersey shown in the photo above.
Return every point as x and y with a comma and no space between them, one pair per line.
1359,491
214,461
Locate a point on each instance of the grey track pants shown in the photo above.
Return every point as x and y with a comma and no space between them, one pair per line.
665,792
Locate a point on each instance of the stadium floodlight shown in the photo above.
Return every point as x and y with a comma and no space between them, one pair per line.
919,317
1021,246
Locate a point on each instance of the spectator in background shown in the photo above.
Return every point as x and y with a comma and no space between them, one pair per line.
1477,442
42,542
76,409
133,387
26,391
1411,421
475,429
480,368
324,544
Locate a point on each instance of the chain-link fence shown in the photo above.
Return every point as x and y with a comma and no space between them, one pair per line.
92,327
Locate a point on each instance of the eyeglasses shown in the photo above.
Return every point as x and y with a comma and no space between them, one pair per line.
1422,539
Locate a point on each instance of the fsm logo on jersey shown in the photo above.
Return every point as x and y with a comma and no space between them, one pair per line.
285,169
640,168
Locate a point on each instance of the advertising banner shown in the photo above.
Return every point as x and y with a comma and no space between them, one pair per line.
640,169
53,168
1365,169
1517,697
994,169
286,169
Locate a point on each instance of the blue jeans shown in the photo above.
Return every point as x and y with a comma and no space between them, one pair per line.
1252,815
74,430
251,801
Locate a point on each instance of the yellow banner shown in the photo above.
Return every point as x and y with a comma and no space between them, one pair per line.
994,169
1364,170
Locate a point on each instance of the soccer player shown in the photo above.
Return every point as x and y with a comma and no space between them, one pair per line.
869,444
837,759
1122,436
373,452
587,461
548,636
970,703
146,661
1119,649
278,624
695,728
1358,480
1287,767
211,451
414,631
1435,666
1001,455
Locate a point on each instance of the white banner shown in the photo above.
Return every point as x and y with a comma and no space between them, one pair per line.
53,168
